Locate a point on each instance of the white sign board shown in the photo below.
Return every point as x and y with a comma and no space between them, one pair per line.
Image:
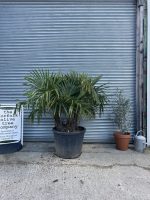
11,125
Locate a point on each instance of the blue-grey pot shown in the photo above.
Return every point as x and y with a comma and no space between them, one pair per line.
69,145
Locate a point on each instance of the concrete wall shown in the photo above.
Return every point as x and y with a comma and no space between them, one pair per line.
148,73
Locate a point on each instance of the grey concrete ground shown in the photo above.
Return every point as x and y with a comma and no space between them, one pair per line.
101,173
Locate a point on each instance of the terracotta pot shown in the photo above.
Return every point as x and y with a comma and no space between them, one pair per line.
122,140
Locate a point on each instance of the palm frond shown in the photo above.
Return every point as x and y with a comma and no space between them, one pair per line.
71,96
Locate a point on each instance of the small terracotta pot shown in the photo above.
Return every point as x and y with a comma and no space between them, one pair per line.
122,140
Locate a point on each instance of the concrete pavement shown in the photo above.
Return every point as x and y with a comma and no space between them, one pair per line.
101,173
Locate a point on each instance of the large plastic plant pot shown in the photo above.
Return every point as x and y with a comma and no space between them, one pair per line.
69,145
10,147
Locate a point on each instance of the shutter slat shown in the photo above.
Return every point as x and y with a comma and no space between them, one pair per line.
97,37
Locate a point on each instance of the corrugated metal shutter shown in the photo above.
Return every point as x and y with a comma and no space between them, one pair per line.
97,37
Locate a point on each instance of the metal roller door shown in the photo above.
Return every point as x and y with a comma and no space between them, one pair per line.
97,37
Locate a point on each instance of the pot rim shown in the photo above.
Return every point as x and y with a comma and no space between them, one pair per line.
120,135
83,129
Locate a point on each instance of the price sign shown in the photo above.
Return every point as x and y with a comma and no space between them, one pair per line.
11,124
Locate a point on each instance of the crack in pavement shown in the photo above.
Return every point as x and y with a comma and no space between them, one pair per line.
20,162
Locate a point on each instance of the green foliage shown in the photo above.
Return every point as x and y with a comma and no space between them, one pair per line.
68,97
121,111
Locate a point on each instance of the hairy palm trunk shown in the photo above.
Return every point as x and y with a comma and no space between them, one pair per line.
66,125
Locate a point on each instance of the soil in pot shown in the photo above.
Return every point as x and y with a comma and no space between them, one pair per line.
69,145
122,140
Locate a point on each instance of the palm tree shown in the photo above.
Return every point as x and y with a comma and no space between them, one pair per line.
67,97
